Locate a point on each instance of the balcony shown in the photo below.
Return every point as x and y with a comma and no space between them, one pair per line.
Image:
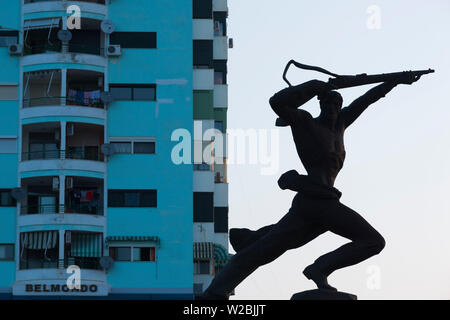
48,195
90,1
88,7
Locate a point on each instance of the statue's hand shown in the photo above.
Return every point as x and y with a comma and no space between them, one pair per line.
407,78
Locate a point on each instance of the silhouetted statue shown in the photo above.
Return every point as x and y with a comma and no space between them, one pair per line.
316,207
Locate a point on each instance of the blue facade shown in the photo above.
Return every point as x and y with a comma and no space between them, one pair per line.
43,77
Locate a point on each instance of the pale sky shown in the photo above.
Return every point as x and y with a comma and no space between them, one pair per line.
397,170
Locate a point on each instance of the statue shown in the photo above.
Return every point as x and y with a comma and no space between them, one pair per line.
316,207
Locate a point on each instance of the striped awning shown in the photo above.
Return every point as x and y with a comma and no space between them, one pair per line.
41,24
39,240
221,256
87,244
203,250
154,239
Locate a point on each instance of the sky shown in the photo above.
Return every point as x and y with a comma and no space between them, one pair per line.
397,169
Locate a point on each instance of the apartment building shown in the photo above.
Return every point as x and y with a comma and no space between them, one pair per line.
90,95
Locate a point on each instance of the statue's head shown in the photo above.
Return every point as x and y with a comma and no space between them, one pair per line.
330,103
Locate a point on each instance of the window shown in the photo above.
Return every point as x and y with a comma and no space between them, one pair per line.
133,92
134,40
132,254
132,198
201,267
220,23
120,93
121,147
8,38
144,254
220,71
221,219
6,200
6,252
144,147
203,206
202,9
138,146
203,53
120,253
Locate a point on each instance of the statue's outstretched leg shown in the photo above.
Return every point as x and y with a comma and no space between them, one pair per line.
292,231
366,241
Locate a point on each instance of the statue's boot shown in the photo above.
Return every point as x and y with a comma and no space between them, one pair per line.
313,273
241,238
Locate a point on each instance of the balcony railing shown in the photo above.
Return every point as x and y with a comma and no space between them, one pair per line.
60,101
38,264
90,1
82,208
57,47
71,153
42,155
83,263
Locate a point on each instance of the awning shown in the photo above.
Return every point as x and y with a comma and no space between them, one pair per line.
221,256
203,250
87,244
133,239
39,240
41,24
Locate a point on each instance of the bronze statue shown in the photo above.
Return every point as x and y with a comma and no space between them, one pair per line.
316,207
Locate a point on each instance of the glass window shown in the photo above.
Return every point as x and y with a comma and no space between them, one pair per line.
144,93
121,93
7,252
144,147
121,147
131,199
6,200
144,254
122,254
148,199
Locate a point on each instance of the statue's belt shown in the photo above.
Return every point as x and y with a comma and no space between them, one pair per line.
294,181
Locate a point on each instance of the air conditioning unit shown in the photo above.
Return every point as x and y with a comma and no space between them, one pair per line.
70,129
69,183
15,49
114,50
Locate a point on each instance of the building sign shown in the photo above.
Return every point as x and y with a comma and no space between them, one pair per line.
59,288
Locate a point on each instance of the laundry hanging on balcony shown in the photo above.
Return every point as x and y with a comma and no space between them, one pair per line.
39,240
83,98
87,245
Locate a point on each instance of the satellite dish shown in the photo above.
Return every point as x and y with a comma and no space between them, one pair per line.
108,26
64,35
106,97
108,149
18,194
106,263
